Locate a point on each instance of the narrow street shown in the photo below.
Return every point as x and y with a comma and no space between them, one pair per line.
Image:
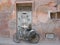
7,41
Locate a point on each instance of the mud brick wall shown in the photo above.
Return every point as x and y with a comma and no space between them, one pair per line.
4,24
41,20
7,18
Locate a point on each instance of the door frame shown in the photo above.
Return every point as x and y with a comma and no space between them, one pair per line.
26,4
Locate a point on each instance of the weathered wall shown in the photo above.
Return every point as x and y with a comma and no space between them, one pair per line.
41,20
7,17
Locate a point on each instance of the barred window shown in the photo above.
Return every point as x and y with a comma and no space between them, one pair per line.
55,15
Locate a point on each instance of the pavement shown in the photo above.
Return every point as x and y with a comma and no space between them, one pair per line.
8,41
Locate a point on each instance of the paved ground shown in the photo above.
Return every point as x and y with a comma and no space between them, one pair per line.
7,41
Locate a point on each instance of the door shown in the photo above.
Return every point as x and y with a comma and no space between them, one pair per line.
24,19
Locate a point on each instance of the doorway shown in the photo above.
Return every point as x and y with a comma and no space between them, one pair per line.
24,14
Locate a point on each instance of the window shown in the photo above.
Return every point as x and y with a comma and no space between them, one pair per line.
58,15
50,35
55,15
